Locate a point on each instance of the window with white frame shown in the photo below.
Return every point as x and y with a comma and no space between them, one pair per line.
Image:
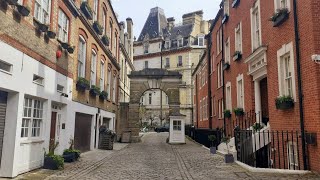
82,48
180,42
104,22
219,41
201,113
179,60
293,161
109,84
214,109
201,40
42,11
226,7
227,51
220,75
38,80
281,4
63,26
228,96
286,75
95,10
114,89
255,26
116,44
32,118
238,38
102,76
110,34
176,125
4,66
213,62
167,62
93,68
240,91
220,108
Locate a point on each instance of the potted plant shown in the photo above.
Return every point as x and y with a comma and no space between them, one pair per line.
226,66
237,55
71,154
23,10
12,2
85,8
235,3
94,91
228,158
257,127
52,161
284,102
82,84
212,139
103,95
238,111
97,27
280,16
227,113
70,49
225,18
51,34
105,40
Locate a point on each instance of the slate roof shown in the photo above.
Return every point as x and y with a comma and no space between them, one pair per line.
183,30
154,24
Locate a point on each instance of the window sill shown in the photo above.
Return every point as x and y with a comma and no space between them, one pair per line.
38,84
32,141
6,72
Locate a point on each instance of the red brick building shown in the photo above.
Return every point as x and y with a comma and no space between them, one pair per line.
255,61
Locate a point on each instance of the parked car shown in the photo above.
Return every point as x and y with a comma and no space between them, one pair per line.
164,128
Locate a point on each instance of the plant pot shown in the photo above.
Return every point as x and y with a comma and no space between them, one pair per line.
227,115
12,2
24,11
102,97
280,19
81,87
228,158
226,66
235,3
97,28
237,56
213,150
51,34
69,157
105,40
93,92
285,105
225,18
86,10
70,49
49,163
239,113
43,27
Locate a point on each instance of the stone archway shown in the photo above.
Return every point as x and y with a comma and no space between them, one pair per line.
148,79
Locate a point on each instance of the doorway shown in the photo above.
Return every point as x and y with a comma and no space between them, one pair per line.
82,132
53,131
264,100
3,107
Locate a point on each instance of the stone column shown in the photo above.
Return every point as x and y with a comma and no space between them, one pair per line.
257,97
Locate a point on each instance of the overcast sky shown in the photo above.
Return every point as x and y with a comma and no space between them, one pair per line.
139,10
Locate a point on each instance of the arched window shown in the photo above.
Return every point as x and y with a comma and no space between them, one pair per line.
93,68
82,50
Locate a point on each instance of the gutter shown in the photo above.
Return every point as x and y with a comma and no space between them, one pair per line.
300,92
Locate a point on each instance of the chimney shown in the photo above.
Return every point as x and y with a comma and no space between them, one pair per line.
122,29
130,37
171,21
193,17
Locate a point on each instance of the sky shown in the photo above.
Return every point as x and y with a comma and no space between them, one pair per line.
139,10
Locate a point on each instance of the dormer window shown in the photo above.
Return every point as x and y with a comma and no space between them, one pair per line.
201,40
167,44
180,42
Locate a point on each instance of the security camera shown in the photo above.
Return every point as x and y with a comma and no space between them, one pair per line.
316,58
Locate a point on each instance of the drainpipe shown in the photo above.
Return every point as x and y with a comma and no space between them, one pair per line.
196,101
297,41
223,93
209,78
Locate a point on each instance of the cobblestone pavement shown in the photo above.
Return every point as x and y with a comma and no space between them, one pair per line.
155,159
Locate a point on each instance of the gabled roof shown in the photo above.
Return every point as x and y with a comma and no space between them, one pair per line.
154,24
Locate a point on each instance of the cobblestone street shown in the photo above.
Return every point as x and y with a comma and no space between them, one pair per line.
155,159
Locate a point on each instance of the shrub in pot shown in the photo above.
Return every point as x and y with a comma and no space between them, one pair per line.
94,91
82,84
70,49
85,8
257,127
103,95
238,111
280,16
227,113
228,158
212,139
71,155
51,34
52,161
284,102
97,27
105,40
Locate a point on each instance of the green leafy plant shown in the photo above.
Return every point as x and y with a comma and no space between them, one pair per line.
104,94
212,139
97,27
86,5
57,159
95,89
238,111
257,126
82,81
278,13
227,113
105,40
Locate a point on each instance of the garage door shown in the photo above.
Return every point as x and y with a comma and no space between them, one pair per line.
3,106
82,132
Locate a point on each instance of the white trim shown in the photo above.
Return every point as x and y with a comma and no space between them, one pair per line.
277,5
227,50
240,78
228,96
238,27
255,7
